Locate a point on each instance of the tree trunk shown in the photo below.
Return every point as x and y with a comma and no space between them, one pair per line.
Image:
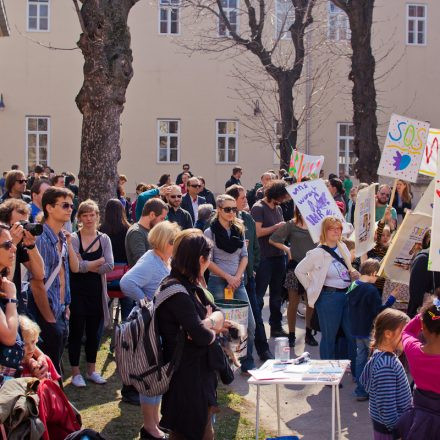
289,124
105,44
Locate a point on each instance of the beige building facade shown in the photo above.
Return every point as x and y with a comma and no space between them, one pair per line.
194,109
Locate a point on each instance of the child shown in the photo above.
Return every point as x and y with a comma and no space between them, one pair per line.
364,304
423,420
384,377
30,332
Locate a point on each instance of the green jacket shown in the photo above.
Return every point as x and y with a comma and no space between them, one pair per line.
254,247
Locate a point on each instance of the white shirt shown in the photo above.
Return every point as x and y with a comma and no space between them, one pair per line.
195,206
337,274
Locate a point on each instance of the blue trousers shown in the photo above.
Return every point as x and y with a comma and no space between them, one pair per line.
362,350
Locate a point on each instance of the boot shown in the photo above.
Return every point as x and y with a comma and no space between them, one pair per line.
309,339
292,339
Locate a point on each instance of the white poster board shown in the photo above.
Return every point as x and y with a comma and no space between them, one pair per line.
434,250
364,220
403,150
405,246
315,203
303,165
430,154
426,203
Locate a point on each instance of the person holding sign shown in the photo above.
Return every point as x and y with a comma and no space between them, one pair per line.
326,273
382,199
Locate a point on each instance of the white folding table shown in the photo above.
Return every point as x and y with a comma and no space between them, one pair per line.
331,379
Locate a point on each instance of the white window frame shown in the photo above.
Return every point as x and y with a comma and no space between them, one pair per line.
28,3
37,133
168,135
168,6
227,12
341,20
289,19
416,20
226,136
347,139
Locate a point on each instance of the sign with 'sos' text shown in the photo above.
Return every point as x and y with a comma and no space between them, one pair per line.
403,150
430,154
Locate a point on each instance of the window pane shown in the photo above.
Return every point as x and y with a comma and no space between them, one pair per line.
42,141
221,143
342,130
163,27
421,25
231,127
174,14
163,142
231,143
44,11
32,140
174,27
43,154
173,126
221,155
412,11
173,155
32,154
32,23
44,25
233,4
222,127
231,155
163,14
420,38
411,38
351,130
410,25
42,124
32,124
342,147
32,10
162,155
420,11
163,127
173,142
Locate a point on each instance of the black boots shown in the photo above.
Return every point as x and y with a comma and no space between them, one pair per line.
309,339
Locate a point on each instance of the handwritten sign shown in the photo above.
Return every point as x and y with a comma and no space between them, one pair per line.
426,203
303,165
405,246
364,220
434,250
403,150
430,154
315,203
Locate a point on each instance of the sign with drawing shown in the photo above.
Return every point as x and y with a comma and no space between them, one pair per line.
430,154
403,150
303,165
364,220
315,202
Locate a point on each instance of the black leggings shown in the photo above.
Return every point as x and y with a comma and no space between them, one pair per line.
91,324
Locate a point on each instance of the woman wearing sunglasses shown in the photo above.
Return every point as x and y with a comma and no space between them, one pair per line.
229,261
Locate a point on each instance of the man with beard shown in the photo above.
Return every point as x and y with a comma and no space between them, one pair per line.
382,199
176,214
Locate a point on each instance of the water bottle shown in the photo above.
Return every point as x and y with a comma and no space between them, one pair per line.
282,349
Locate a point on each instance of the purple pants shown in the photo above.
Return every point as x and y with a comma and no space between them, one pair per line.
380,436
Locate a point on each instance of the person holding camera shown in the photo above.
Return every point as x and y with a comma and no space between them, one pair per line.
14,213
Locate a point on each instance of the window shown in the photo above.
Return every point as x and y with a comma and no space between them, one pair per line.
169,13
37,141
168,140
227,141
38,16
416,25
230,8
285,16
338,24
276,144
346,148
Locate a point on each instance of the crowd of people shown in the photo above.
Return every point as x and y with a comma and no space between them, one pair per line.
248,242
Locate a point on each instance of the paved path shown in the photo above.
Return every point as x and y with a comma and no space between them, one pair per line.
306,410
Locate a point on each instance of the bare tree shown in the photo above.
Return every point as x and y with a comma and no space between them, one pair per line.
105,44
366,146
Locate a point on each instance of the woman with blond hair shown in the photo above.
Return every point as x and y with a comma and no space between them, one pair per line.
88,308
326,274
141,282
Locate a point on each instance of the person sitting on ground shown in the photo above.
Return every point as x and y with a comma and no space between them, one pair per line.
364,304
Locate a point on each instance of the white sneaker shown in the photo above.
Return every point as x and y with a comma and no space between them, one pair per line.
78,381
96,377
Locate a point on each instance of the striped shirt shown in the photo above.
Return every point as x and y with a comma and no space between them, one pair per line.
385,381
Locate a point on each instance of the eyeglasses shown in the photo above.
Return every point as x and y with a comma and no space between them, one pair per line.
66,205
7,245
196,186
229,209
335,229
21,180
178,196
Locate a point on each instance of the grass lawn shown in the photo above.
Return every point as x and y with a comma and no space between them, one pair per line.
102,409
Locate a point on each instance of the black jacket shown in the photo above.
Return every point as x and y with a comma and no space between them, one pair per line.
181,217
187,204
179,177
6,196
232,181
209,196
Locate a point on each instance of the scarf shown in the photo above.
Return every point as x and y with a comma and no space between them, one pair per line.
225,242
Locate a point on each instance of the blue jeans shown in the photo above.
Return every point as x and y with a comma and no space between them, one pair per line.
216,286
362,350
332,309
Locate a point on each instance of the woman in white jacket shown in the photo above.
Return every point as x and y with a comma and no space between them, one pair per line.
326,274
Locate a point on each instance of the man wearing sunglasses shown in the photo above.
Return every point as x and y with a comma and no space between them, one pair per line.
15,186
382,199
176,214
191,200
49,299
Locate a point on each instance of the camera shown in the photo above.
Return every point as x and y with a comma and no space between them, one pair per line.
34,228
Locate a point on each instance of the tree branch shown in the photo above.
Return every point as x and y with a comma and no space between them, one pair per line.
80,18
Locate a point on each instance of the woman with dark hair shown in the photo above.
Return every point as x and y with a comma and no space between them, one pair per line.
403,199
165,179
191,400
336,189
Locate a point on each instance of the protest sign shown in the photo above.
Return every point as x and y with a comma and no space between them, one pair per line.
405,246
403,150
315,202
434,251
430,154
364,220
302,165
426,203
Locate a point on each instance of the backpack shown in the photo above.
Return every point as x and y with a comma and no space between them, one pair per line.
138,348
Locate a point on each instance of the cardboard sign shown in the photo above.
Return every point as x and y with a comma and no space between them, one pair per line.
434,250
364,220
315,203
426,203
403,150
430,154
302,165
405,246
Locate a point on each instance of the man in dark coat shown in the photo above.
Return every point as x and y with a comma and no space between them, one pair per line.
191,201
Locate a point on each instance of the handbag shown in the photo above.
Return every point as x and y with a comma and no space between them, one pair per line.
114,276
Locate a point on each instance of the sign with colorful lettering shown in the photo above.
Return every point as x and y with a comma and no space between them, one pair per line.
403,150
315,203
430,154
434,250
303,165
364,220
405,246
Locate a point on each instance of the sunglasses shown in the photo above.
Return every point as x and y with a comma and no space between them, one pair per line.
229,209
178,196
196,186
7,245
66,206
22,181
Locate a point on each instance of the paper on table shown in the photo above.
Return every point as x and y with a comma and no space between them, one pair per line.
299,369
267,374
